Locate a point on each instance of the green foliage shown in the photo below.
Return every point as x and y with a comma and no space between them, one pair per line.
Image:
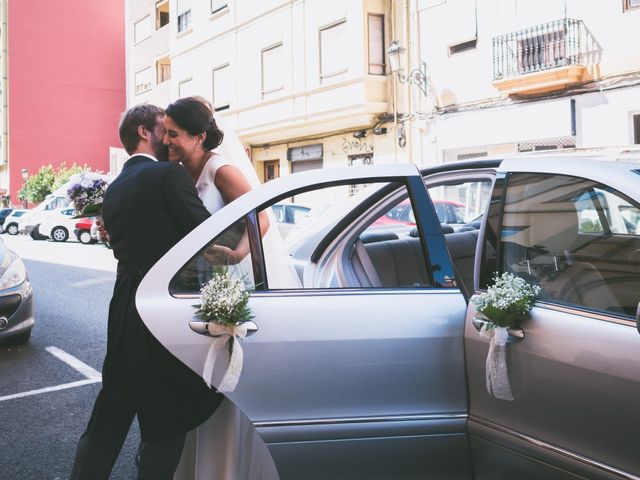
590,226
46,180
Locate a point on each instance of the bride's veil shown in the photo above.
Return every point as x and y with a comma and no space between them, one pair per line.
280,273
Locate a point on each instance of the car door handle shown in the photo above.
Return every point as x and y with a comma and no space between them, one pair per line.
201,328
515,333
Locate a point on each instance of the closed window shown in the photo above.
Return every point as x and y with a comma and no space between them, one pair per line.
184,15
163,70
185,88
143,81
333,50
222,88
376,44
577,239
273,69
218,5
142,29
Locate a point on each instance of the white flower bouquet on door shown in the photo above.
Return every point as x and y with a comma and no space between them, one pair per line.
224,304
504,305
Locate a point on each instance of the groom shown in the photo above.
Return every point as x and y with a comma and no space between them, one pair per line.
147,209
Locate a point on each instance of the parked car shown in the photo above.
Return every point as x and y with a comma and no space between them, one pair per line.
16,299
29,223
4,213
369,363
57,224
11,222
288,215
82,230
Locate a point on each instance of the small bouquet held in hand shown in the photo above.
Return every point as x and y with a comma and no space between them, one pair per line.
504,305
86,194
224,304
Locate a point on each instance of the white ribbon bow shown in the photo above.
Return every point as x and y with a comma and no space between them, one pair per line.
225,334
496,367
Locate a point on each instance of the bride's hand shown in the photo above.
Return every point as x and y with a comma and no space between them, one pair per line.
221,255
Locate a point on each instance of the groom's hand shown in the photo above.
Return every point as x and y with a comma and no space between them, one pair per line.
221,255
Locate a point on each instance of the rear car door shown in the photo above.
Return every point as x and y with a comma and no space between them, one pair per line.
357,367
575,374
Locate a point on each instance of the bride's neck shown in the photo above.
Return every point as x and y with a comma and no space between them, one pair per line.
196,165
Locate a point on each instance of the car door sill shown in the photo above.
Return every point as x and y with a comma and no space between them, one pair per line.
532,447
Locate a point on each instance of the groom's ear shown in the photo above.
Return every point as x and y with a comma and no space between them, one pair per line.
142,132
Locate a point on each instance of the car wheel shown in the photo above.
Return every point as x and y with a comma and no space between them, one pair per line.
12,229
20,338
85,237
59,234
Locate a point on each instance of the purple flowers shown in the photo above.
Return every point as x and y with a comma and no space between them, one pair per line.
87,193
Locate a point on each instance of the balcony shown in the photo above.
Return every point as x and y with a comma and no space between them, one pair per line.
539,59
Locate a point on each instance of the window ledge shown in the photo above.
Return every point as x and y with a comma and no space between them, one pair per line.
219,13
184,32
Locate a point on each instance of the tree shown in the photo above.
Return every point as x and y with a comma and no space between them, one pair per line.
46,180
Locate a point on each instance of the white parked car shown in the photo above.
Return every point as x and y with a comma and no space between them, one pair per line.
58,224
364,358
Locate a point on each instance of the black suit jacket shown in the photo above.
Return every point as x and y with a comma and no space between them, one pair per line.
147,209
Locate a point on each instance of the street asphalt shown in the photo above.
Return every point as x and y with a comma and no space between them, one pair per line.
46,396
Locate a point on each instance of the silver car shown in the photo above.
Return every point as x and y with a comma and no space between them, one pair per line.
367,362
16,299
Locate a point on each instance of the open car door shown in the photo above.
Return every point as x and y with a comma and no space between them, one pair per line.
356,369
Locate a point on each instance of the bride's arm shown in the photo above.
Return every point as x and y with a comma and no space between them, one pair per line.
231,183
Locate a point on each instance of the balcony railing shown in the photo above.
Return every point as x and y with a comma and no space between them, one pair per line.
543,47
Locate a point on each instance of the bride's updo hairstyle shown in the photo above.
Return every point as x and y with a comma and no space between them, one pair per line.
195,117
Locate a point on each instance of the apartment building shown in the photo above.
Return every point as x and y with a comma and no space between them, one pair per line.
62,86
305,83
521,75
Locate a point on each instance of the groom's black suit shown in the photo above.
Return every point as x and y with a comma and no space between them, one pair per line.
147,209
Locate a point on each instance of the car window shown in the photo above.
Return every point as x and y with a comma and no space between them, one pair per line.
371,249
569,236
460,202
216,255
299,213
279,212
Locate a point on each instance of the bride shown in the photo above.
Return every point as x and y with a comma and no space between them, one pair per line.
226,446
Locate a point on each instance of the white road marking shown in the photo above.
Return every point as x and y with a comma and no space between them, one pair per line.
64,386
74,363
91,282
91,374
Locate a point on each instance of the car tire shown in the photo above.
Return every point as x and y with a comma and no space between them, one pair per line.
12,229
20,338
85,237
35,233
59,234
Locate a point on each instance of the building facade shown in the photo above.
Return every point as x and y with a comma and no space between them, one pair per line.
63,87
521,75
304,83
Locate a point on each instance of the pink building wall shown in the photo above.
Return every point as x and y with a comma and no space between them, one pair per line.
66,83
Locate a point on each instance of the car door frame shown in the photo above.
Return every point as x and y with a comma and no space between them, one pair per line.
496,428
433,433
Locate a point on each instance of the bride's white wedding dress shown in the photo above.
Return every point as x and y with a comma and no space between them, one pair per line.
226,446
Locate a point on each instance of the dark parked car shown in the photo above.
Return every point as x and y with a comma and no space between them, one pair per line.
16,298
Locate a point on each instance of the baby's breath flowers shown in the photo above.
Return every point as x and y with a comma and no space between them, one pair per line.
224,300
507,302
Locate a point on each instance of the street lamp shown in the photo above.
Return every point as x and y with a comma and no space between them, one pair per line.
25,175
417,76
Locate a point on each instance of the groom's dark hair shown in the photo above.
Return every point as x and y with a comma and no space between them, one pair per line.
145,115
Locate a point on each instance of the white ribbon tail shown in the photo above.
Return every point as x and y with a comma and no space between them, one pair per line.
497,374
218,349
